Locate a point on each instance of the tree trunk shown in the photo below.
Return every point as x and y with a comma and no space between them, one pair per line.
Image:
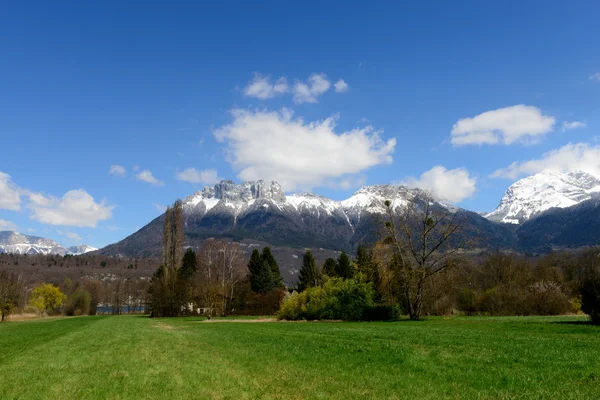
416,307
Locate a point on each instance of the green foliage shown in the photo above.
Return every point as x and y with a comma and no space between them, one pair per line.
335,299
309,275
330,267
344,267
78,303
47,298
264,271
590,293
189,265
162,294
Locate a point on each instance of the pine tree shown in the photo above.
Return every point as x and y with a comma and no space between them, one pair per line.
189,266
344,269
261,279
267,256
309,274
330,267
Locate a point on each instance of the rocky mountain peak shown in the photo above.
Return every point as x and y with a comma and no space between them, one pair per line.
531,196
230,191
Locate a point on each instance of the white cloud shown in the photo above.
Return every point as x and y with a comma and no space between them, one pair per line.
117,170
9,194
160,208
30,230
452,185
274,145
75,208
572,125
192,175
579,156
309,92
71,235
136,168
341,86
146,176
595,77
7,225
507,125
262,88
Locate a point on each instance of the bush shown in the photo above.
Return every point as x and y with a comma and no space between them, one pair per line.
547,298
381,313
336,299
78,303
590,294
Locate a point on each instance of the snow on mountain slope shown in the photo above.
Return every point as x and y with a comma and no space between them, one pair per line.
535,194
238,200
17,243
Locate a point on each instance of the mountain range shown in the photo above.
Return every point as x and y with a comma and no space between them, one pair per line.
549,210
17,243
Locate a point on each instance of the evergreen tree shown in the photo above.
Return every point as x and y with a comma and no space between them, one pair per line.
330,267
344,268
261,279
364,263
189,266
309,274
267,256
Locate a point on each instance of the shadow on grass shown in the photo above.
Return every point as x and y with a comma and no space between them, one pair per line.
581,322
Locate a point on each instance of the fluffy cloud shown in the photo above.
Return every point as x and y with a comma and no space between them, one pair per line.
7,225
309,92
595,77
572,125
274,145
262,88
192,175
508,125
341,86
75,208
9,194
146,176
579,156
452,185
117,170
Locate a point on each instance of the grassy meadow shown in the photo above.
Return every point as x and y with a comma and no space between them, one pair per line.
135,357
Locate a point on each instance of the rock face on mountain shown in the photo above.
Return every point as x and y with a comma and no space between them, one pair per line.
17,243
562,228
532,196
261,211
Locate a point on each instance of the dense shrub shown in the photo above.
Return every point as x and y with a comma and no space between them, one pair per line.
335,299
590,293
78,303
547,298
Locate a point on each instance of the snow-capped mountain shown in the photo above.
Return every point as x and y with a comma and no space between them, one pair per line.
80,249
236,200
538,193
17,243
261,211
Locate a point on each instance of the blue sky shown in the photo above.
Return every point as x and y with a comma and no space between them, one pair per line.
163,87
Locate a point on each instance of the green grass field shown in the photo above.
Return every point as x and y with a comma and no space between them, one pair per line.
134,357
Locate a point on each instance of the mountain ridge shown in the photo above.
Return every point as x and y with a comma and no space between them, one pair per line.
18,243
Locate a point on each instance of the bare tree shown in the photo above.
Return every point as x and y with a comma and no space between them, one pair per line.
220,268
12,293
167,238
422,240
